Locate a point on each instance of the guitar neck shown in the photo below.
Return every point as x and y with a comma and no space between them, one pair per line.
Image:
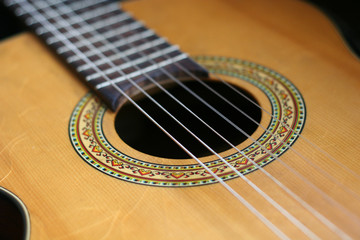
111,51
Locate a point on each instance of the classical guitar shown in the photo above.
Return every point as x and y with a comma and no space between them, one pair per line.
253,135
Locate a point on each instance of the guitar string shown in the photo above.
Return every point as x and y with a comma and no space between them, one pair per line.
175,79
292,194
184,107
155,82
297,223
165,71
308,207
273,117
334,160
306,159
50,28
350,191
297,134
323,172
329,176
193,76
80,5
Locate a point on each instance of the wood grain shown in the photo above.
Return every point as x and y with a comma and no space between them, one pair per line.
67,199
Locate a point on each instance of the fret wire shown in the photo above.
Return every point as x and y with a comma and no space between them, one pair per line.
95,76
137,61
106,23
107,19
128,52
123,29
100,22
90,16
59,36
40,30
82,5
163,63
29,20
78,6
108,34
99,12
119,43
139,72
132,38
106,48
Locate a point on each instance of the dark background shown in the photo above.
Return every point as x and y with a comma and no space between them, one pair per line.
345,15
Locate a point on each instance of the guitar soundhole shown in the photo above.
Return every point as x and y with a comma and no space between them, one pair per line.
135,129
12,220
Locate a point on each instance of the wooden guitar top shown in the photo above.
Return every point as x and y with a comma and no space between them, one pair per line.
68,199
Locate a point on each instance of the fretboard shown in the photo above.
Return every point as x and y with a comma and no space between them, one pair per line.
109,49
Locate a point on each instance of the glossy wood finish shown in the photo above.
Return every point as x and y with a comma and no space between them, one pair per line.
67,199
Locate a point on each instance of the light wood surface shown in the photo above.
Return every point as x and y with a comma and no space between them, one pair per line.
68,199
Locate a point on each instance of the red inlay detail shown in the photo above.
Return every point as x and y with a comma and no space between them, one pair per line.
97,149
87,133
177,175
144,172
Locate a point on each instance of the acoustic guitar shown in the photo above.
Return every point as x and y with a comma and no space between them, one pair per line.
247,129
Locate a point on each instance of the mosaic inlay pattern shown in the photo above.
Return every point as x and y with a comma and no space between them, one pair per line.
288,111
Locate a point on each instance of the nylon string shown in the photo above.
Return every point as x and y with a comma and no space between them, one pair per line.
241,175
270,225
270,200
149,76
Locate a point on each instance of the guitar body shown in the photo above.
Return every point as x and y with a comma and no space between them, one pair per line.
68,199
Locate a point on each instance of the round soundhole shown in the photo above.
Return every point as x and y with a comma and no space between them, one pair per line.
282,120
206,116
14,219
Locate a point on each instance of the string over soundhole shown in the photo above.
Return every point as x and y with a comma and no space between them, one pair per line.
106,152
139,132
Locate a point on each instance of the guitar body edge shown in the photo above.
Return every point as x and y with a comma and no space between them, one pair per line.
68,199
